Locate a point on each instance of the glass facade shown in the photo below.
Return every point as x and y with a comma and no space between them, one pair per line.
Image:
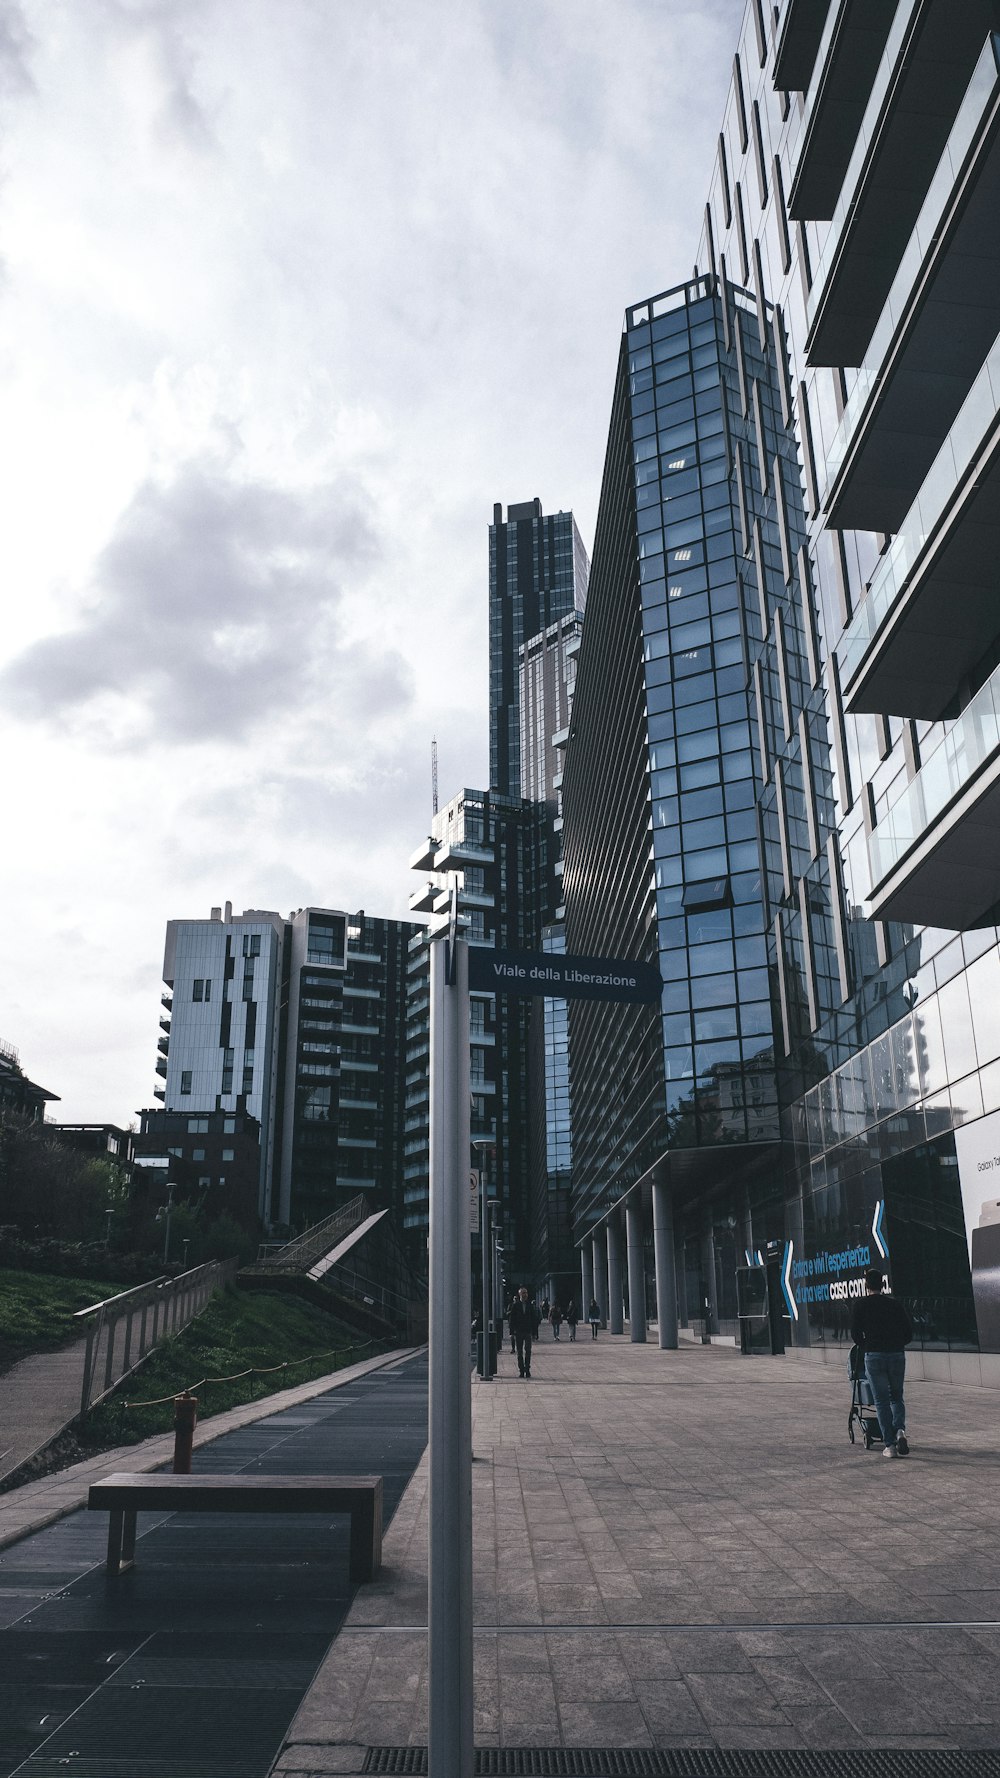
764,448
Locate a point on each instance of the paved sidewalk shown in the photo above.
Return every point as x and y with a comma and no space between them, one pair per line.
37,1504
682,1550
39,1396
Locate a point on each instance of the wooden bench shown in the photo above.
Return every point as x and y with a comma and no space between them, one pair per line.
123,1496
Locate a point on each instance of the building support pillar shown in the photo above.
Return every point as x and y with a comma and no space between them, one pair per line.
664,1260
710,1306
586,1280
616,1318
599,1249
636,1270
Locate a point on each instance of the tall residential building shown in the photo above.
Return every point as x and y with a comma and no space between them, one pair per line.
538,574
298,1024
548,676
850,221
494,841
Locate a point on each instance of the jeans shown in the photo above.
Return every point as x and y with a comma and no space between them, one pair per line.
885,1371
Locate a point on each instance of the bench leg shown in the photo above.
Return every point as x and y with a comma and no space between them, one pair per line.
366,1540
121,1540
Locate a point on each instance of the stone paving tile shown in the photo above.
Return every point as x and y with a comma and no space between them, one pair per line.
605,1496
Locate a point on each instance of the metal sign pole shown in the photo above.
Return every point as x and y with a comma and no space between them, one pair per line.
449,1587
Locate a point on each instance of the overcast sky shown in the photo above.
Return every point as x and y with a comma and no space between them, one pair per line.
291,291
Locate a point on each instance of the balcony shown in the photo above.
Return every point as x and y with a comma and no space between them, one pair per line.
457,854
423,857
926,66
422,900
799,37
846,61
932,605
159,1093
938,324
935,855
161,1067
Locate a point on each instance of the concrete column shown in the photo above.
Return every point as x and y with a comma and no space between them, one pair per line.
616,1317
708,1279
663,1260
634,1221
681,1281
586,1280
600,1252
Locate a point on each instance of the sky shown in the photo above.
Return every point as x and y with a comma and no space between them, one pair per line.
291,291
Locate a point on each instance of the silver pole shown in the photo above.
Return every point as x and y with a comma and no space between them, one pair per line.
449,1586
663,1261
486,1317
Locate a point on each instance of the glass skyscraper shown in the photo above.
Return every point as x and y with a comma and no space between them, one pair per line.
832,1009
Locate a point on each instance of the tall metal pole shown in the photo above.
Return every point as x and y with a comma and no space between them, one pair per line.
486,1314
449,1586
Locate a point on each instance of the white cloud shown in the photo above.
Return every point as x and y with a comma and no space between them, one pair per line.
292,294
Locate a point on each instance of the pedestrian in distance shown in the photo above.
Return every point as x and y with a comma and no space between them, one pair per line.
524,1324
545,1308
556,1318
594,1317
881,1326
510,1311
572,1317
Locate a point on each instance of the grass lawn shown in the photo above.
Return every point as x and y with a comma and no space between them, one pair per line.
37,1309
239,1331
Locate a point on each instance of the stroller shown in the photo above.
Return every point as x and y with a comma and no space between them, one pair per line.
862,1405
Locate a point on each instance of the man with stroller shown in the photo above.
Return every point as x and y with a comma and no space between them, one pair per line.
881,1327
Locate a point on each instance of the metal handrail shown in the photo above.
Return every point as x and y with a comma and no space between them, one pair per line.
180,1299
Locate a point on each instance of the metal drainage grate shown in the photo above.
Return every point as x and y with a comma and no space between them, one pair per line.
696,1762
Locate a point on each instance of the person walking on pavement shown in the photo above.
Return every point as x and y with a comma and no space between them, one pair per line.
594,1317
510,1311
556,1319
572,1317
881,1326
545,1308
524,1323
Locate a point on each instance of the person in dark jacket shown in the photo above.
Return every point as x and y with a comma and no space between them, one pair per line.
572,1317
594,1317
881,1327
524,1324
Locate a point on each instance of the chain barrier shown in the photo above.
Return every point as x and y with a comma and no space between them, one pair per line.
204,1383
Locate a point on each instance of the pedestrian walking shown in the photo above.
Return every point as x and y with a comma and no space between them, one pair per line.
545,1308
524,1324
881,1326
572,1317
594,1317
510,1311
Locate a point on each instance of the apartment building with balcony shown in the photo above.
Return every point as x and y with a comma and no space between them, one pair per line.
853,201
299,1025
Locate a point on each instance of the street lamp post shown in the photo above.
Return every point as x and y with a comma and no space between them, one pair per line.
486,1366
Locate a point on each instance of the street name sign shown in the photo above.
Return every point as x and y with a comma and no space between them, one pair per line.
566,978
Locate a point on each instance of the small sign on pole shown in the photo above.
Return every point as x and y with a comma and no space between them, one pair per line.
474,1200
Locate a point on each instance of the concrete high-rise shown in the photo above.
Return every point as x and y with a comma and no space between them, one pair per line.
298,1024
538,574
